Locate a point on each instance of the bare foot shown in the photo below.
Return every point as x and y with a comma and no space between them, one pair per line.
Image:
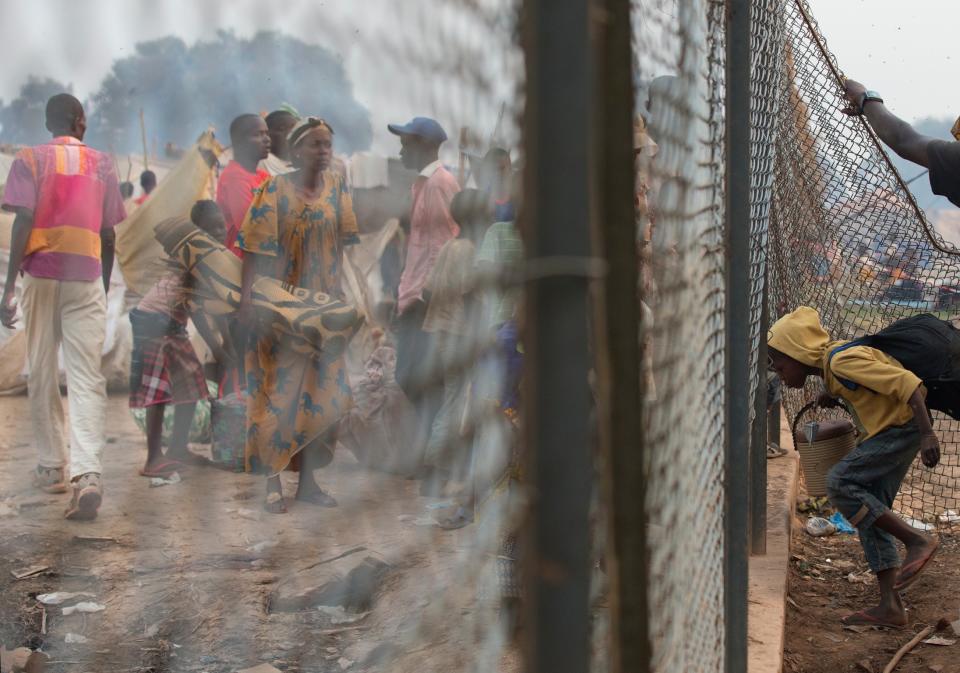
455,489
316,496
274,503
187,457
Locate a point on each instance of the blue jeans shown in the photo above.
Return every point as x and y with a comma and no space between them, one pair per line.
864,484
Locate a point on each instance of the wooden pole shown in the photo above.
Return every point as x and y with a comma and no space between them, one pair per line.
462,170
116,164
143,139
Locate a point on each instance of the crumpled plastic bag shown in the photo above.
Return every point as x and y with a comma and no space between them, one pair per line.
817,526
841,524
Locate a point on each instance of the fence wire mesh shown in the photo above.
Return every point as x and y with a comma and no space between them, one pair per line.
848,238
678,49
766,77
194,575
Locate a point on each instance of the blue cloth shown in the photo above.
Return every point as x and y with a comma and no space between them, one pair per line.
508,341
863,485
841,524
504,212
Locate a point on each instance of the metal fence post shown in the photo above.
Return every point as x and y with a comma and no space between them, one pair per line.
773,424
737,323
557,403
758,442
617,344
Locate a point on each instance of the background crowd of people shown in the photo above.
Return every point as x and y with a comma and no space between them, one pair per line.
284,207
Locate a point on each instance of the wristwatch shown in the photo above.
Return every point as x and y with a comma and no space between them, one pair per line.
869,96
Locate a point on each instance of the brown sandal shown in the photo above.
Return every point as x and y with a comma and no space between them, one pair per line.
87,496
50,479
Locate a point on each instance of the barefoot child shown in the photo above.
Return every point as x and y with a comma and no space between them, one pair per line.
889,402
164,367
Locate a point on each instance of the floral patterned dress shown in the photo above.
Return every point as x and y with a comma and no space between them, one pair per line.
298,239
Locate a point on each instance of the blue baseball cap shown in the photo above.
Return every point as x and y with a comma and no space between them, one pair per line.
426,128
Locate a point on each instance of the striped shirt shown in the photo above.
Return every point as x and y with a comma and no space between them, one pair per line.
73,193
502,248
431,226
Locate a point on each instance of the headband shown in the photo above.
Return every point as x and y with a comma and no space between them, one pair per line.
304,126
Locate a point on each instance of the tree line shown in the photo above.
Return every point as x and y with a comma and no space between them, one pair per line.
183,89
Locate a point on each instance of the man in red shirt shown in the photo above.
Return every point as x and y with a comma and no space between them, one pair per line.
242,176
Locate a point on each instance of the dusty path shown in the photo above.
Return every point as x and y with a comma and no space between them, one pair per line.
821,593
188,573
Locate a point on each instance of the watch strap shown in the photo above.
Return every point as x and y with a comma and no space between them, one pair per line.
869,96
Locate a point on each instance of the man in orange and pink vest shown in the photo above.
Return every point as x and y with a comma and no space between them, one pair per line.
66,198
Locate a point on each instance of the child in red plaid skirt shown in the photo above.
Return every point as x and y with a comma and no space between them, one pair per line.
164,368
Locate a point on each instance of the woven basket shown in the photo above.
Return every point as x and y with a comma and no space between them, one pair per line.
817,457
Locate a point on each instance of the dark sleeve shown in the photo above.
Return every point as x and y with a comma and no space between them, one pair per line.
391,267
944,159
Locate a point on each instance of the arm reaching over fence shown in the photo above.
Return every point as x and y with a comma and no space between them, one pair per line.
895,132
941,157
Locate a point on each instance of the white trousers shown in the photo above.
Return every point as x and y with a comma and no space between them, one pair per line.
72,314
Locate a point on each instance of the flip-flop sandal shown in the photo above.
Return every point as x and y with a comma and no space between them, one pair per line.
87,496
460,519
862,618
274,504
920,565
163,470
774,451
49,480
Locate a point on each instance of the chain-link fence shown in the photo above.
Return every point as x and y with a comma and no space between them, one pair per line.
679,49
848,238
195,576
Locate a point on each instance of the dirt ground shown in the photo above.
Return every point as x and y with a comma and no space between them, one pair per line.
193,577
820,594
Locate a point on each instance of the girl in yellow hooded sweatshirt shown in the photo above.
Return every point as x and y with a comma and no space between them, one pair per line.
888,401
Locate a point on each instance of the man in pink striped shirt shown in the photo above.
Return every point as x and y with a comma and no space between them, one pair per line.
67,200
431,226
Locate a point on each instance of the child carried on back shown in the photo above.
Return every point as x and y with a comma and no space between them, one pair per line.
889,401
164,368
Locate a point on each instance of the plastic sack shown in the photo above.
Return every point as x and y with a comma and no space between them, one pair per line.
817,526
841,524
199,430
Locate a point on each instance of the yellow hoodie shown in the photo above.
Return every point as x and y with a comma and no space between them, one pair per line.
884,386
